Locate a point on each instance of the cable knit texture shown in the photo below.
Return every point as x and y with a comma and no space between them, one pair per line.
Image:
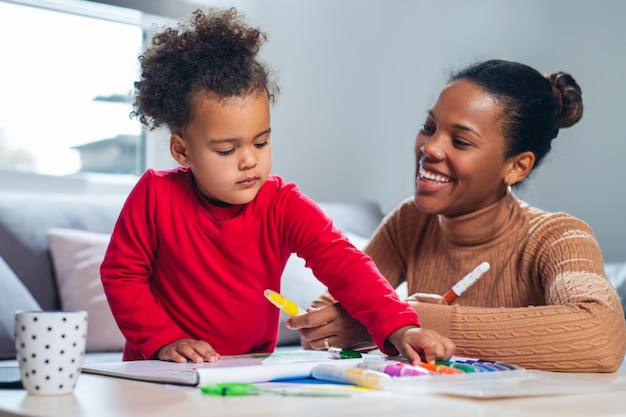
545,303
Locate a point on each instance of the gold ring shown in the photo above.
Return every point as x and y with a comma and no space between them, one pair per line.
326,344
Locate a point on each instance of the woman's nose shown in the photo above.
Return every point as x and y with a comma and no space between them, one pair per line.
432,147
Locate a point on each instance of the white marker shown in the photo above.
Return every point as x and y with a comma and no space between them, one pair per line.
353,376
467,281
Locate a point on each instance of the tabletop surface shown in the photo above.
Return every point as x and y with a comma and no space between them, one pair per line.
97,396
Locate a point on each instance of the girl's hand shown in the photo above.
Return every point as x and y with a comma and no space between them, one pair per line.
419,344
334,324
181,350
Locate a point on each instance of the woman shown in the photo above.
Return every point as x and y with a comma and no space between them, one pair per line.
545,302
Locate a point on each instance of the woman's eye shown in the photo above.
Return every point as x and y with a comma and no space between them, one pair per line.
427,129
461,143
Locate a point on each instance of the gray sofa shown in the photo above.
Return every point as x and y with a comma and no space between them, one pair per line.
34,274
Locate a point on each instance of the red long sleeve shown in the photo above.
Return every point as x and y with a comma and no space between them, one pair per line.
172,270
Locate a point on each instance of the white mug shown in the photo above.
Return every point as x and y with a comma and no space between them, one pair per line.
50,348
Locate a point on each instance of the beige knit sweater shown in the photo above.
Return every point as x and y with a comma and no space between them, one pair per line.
545,302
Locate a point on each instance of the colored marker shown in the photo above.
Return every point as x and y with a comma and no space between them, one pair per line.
284,304
440,369
414,370
394,369
338,353
468,280
458,365
477,365
355,376
238,389
489,366
468,369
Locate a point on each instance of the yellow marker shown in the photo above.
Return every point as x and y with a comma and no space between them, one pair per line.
356,376
284,304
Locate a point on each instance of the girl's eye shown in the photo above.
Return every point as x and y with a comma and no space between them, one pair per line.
262,144
226,153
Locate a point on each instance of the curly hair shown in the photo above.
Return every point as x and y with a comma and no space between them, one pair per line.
213,53
534,106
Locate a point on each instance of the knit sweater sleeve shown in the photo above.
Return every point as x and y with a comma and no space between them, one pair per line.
579,329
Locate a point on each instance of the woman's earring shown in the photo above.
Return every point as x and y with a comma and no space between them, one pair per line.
509,198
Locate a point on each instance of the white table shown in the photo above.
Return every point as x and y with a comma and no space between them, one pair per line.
100,396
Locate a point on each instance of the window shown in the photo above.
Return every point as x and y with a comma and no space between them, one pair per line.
67,72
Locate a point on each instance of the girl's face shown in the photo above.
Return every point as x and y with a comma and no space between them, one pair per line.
227,146
460,152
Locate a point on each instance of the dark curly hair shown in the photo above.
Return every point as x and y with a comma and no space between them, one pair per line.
534,106
214,53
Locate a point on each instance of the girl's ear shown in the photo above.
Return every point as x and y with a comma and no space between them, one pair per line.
519,167
178,149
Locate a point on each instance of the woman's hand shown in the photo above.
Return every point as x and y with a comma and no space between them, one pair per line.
181,350
335,325
426,298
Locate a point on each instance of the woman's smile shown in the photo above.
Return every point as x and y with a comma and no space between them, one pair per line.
433,176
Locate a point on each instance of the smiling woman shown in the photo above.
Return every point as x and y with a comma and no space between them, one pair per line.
64,101
456,153
545,301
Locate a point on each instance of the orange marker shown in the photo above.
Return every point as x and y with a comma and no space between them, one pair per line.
440,369
467,281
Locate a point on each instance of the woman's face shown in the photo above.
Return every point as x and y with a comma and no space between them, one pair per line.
460,152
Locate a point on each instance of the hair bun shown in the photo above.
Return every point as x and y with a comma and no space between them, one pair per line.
569,96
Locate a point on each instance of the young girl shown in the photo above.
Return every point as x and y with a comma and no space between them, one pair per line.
195,247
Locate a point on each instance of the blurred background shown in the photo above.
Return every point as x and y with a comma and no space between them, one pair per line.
356,77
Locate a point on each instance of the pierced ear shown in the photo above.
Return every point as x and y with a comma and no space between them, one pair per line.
521,166
178,149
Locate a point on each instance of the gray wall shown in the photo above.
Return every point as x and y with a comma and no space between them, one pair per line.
357,77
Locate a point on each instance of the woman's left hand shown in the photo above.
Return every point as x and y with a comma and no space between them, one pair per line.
426,298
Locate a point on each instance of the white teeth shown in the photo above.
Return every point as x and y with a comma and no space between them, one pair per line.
433,177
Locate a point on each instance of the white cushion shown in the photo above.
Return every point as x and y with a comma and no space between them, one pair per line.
299,285
76,256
